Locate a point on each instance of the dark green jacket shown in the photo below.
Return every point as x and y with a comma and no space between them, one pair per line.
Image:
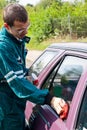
12,69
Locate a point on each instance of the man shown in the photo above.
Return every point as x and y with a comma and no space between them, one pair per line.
15,89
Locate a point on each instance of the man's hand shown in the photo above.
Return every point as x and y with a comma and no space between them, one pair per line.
58,104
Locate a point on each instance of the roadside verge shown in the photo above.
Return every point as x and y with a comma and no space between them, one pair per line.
31,56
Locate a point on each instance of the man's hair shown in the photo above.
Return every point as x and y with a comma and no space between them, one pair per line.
14,12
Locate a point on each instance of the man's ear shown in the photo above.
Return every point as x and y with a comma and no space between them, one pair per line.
6,26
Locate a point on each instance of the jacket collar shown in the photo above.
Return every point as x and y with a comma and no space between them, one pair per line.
10,36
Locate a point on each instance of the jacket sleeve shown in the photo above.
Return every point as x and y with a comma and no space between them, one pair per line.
13,73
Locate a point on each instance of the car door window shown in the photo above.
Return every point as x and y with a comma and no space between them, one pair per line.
82,118
42,61
64,78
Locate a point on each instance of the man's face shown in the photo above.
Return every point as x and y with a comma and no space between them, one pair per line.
19,29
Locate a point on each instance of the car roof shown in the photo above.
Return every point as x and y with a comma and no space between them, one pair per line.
74,46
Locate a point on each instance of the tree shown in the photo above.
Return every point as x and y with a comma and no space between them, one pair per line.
2,4
12,1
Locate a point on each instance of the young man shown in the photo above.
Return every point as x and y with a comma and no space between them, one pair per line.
15,89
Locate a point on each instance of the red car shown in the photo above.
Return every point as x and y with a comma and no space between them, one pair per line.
62,68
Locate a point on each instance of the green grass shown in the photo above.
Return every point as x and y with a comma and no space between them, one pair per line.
34,45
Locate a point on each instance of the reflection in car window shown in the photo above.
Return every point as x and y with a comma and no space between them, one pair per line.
41,62
82,119
64,78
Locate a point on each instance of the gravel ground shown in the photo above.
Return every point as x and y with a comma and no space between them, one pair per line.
31,57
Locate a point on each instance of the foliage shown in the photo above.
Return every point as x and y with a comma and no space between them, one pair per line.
55,19
12,1
2,4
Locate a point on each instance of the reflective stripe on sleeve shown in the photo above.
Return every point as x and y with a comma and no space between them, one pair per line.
12,75
9,74
12,78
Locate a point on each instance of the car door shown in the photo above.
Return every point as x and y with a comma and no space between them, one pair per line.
37,68
61,81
